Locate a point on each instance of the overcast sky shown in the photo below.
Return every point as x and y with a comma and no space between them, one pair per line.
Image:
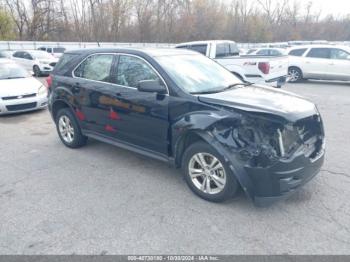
335,7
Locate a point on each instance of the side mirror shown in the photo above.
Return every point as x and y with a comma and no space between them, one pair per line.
151,86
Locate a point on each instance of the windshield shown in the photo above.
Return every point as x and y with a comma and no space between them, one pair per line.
197,73
12,71
41,55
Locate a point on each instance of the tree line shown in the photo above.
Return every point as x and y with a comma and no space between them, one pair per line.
168,20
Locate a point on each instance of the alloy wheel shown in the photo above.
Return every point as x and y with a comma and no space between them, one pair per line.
294,75
66,129
207,173
36,71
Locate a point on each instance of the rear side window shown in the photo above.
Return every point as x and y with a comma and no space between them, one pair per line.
64,62
132,70
297,52
226,49
222,50
234,49
96,67
59,50
319,53
199,48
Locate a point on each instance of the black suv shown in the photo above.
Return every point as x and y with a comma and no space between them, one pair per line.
183,108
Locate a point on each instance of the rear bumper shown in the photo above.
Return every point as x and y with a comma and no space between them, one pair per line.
283,179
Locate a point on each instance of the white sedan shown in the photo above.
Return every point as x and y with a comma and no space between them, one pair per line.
323,62
38,62
19,91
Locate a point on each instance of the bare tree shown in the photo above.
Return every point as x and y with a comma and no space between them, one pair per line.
171,20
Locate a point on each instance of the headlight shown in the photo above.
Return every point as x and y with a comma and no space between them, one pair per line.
42,91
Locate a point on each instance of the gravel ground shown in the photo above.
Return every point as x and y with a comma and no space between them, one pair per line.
104,200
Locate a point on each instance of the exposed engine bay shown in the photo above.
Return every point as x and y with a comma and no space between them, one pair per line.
260,142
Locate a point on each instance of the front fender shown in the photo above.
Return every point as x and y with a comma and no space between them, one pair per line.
205,124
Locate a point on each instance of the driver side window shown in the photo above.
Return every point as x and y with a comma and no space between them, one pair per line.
132,70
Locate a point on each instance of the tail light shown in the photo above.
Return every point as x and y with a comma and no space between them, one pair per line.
264,67
49,81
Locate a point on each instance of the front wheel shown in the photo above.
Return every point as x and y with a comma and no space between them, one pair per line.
37,71
207,174
295,74
69,130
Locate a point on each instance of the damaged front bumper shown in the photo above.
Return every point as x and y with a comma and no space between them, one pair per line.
283,178
271,160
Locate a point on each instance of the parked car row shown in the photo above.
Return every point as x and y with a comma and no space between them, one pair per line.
39,62
261,69
275,66
19,90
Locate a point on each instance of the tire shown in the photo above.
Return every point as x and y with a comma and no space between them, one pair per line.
295,74
222,176
70,135
37,71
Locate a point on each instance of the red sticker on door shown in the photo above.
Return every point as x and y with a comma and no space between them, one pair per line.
80,115
113,115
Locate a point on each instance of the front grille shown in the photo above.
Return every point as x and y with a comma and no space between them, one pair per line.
21,107
18,97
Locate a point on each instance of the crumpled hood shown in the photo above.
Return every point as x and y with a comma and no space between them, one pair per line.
263,100
20,86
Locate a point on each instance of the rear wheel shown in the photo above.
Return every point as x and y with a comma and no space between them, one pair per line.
69,130
207,174
37,71
295,74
